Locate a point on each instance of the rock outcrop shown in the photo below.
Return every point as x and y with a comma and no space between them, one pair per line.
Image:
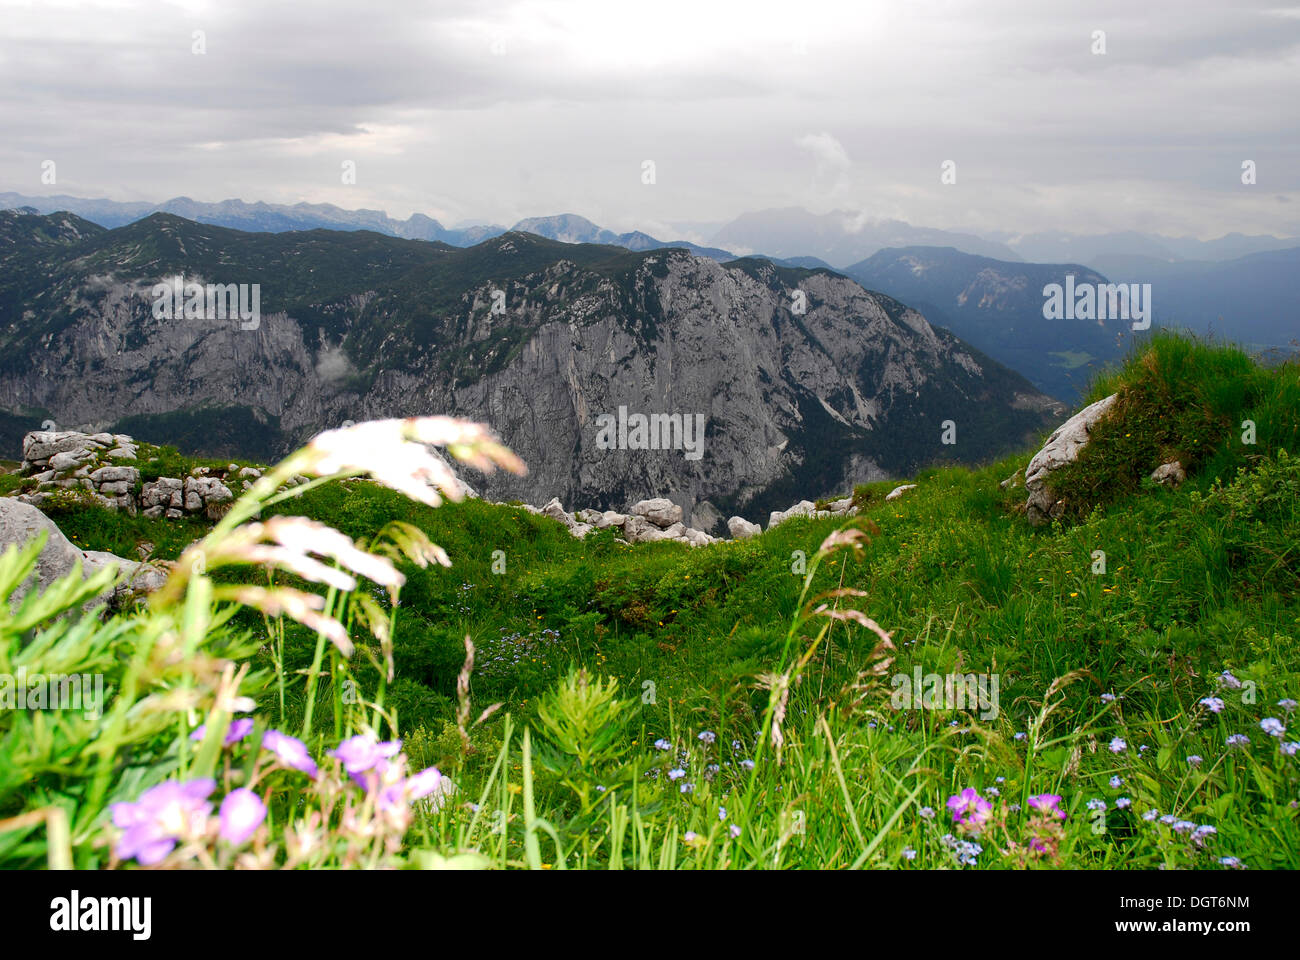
1062,448
805,380
21,523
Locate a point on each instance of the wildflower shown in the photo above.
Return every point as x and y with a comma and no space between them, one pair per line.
969,809
1123,803
1238,740
362,753
290,751
926,813
1169,819
909,853
1290,749
1097,804
662,744
1116,782
242,812
1184,826
163,815
237,731
1272,726
427,781
676,774
734,831
691,836
395,453
1230,862
707,736
1047,803
1229,681
687,788
1213,704
1195,760
1287,704
1020,735
1107,698
1150,814
964,852
1117,745
747,764
1203,831
992,791
722,813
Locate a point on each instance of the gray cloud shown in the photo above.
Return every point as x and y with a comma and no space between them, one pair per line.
499,110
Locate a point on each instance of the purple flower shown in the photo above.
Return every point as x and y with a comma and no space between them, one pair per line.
362,753
242,812
237,731
926,813
1229,681
707,736
162,815
970,809
1238,740
1290,749
425,782
1118,745
290,751
1195,760
1203,831
1287,704
1272,726
1213,704
1123,803
1116,782
1047,803
734,831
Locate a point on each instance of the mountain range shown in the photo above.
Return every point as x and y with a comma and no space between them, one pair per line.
806,382
838,239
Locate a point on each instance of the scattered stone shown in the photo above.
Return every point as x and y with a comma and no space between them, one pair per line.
1169,474
742,529
660,511
804,508
899,491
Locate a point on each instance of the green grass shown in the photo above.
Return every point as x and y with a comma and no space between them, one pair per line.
1193,582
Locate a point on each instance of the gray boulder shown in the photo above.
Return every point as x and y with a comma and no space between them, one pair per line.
1062,448
804,508
1169,474
660,511
742,529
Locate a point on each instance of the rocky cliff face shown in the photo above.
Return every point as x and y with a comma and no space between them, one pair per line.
803,381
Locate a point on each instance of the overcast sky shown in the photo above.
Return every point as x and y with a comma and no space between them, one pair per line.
494,110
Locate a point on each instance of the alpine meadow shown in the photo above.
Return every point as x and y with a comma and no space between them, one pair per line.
891,464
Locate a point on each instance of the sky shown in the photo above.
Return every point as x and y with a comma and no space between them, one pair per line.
491,111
